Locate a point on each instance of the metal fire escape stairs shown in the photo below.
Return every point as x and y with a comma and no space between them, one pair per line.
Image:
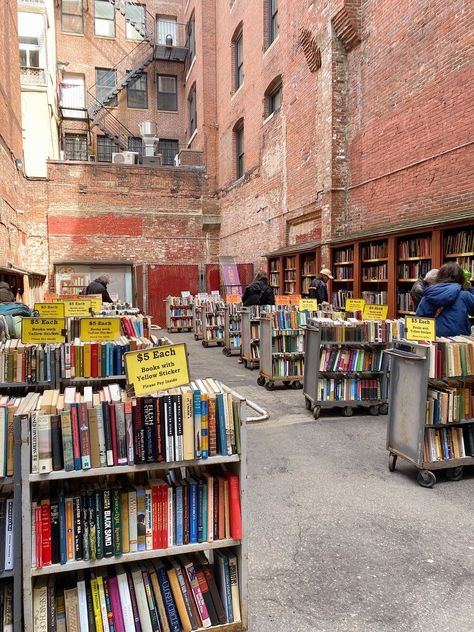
126,70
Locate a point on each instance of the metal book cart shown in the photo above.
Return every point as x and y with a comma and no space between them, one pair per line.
178,317
406,420
232,336
213,325
312,375
197,322
268,377
250,324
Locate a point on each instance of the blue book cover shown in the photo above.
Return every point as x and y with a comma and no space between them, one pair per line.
117,360
205,431
222,566
444,443
62,530
193,511
170,606
221,433
202,525
197,422
179,512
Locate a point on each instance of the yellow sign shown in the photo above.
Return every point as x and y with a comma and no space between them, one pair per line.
43,330
96,302
311,304
355,304
420,328
375,312
157,369
294,299
80,307
50,310
233,299
282,300
99,329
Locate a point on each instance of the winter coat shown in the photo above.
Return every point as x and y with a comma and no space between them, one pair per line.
318,290
457,305
6,296
99,287
417,291
258,293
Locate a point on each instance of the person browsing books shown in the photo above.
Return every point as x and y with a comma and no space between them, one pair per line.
318,288
99,286
448,302
6,295
420,286
258,292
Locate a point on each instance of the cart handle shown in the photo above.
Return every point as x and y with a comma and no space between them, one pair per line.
399,353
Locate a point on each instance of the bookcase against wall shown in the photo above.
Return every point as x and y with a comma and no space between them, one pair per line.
443,444
39,486
250,328
291,268
458,245
233,336
290,272
179,314
345,268
374,271
281,350
414,260
274,274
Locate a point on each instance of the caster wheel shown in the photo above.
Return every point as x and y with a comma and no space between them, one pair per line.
454,473
270,386
374,410
316,412
196,337
347,411
205,343
308,403
286,382
298,385
426,478
383,409
392,461
224,351
261,381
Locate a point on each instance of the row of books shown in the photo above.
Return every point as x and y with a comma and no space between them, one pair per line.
309,266
341,255
352,330
462,241
344,272
214,333
290,262
78,431
451,357
288,344
443,444
7,533
27,363
375,272
339,298
287,365
83,524
413,270
405,302
353,389
274,279
254,330
274,264
350,360
183,302
255,350
6,605
414,247
375,298
288,319
449,404
375,251
173,594
133,326
181,322
180,312
215,319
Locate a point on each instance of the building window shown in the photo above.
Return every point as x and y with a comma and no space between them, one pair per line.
29,52
105,80
239,149
135,144
273,97
135,21
75,146
167,27
167,93
73,96
137,92
271,21
168,149
72,19
105,147
104,18
192,111
191,39
238,61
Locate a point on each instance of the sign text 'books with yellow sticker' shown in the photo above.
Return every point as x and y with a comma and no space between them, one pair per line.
420,328
375,312
310,304
50,310
157,369
355,304
43,330
99,329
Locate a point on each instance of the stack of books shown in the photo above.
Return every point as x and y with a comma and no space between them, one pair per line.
349,390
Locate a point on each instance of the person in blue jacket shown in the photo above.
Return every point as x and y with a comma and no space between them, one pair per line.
448,302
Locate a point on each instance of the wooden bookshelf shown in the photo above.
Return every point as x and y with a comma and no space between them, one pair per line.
308,270
374,271
274,274
414,259
290,274
458,245
344,267
290,269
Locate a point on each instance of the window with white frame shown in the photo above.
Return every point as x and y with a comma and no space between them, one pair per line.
29,52
135,21
104,18
72,18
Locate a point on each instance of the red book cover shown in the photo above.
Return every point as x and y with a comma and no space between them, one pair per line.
164,516
113,432
76,444
39,537
46,533
155,504
84,436
94,359
234,507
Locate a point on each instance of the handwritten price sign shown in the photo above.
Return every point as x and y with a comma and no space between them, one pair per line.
157,369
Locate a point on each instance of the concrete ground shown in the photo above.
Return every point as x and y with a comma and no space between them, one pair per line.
337,543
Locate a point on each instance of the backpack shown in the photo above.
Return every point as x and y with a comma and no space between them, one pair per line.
11,315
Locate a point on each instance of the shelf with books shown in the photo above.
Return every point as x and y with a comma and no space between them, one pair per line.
213,324
374,271
274,274
414,260
192,510
290,271
250,332
308,270
233,324
179,313
437,430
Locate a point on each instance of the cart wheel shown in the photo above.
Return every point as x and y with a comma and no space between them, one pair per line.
286,382
220,344
261,381
205,343
348,411
196,337
297,384
454,473
316,412
392,461
374,410
383,409
426,478
224,350
308,403
270,386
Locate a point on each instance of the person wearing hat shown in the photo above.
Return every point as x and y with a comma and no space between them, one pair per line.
420,286
318,288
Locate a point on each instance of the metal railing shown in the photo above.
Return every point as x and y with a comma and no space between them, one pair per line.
107,122
170,32
32,76
145,27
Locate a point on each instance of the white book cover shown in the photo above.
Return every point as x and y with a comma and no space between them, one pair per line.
9,534
101,434
88,396
34,442
82,599
125,599
148,520
142,602
132,521
234,586
170,517
45,447
178,437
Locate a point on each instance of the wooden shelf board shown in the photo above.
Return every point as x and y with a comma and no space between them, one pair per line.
22,384
459,254
289,269
374,260
343,263
406,280
309,275
374,280
6,574
404,311
414,258
342,280
127,469
133,557
93,379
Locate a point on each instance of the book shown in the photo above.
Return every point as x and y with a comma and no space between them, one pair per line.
40,605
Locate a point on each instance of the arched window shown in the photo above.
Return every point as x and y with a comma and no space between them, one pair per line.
273,97
238,132
238,57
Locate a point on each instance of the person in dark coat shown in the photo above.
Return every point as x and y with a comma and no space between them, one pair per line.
6,295
419,287
99,286
258,292
448,302
318,288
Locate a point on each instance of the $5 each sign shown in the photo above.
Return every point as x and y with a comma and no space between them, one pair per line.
157,369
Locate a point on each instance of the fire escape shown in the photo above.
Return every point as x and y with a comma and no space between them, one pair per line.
156,44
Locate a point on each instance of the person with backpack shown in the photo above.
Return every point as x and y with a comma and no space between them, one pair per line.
448,303
258,292
6,295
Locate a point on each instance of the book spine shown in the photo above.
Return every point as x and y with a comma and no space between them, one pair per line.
76,445
69,502
99,523
113,431
178,427
10,531
148,520
66,433
101,435
78,532
62,530
108,524
55,532
148,415
117,521
198,598
34,443
132,521
122,448
56,443
129,431
170,606
84,437
204,426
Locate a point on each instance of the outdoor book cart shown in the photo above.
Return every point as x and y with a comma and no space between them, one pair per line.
213,323
232,334
179,317
312,374
269,376
250,324
197,321
409,381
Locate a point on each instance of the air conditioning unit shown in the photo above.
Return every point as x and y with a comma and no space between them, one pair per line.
124,157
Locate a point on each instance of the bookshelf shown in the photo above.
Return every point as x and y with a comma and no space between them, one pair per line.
233,336
429,437
197,320
213,324
179,313
125,479
274,271
308,270
290,274
414,259
458,245
74,283
250,331
374,271
344,269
